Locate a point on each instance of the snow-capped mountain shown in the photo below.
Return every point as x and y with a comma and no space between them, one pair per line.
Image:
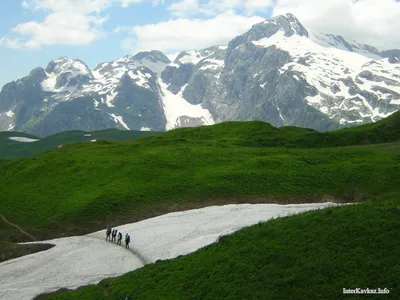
278,72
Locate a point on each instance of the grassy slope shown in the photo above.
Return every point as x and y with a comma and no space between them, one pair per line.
260,134
79,188
12,149
82,187
310,256
86,183
250,134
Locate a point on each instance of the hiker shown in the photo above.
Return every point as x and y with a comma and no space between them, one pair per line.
119,239
127,240
108,233
113,235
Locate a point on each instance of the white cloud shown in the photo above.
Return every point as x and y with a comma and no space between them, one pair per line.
6,42
79,22
69,6
214,7
252,6
186,34
374,22
61,28
68,22
368,21
126,3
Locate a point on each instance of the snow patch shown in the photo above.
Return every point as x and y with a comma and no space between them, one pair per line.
145,129
180,93
176,106
212,64
280,114
23,139
139,78
395,101
191,57
73,263
10,114
118,119
110,97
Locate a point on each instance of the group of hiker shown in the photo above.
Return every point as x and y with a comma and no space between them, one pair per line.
113,235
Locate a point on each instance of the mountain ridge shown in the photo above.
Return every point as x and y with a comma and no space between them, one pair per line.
278,72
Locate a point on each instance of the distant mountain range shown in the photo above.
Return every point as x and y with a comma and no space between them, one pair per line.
278,72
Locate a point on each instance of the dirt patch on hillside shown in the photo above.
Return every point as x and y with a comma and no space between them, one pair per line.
11,250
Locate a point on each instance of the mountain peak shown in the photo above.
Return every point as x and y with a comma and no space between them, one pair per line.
289,24
65,64
154,55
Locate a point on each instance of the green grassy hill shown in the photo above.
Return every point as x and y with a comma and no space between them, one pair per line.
10,149
260,134
309,256
80,187
249,134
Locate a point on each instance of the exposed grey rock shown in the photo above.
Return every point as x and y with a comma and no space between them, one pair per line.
177,77
392,55
140,107
366,75
186,121
154,56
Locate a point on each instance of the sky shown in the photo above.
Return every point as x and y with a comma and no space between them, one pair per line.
34,32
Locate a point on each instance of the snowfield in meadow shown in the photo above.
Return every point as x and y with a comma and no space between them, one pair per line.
82,260
22,139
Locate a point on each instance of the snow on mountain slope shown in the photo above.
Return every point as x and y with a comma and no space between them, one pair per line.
118,119
108,75
65,75
190,57
175,106
210,63
140,78
83,260
346,82
341,77
330,40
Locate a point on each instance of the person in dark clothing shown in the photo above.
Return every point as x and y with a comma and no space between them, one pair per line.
127,240
114,235
119,239
108,233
